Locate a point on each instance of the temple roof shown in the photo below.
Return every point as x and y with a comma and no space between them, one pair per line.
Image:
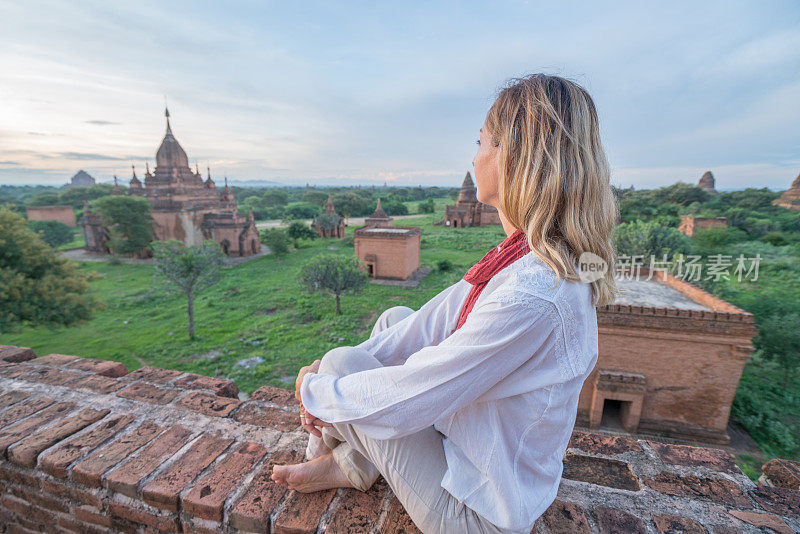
379,213
170,153
468,192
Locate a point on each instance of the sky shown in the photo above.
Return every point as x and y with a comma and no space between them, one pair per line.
352,93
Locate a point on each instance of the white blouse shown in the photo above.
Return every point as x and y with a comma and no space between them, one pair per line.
503,388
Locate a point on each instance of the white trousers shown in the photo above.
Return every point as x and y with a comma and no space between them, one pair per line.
412,465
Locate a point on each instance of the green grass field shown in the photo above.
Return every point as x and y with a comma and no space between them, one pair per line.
259,313
257,310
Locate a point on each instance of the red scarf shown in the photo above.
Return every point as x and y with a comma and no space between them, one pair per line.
510,250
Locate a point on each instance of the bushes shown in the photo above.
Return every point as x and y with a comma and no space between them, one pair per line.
54,233
648,239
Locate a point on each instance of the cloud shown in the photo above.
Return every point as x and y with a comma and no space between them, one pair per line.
88,156
102,123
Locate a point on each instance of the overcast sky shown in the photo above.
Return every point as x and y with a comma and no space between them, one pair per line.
349,92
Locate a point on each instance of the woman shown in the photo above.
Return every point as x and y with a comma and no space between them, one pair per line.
466,406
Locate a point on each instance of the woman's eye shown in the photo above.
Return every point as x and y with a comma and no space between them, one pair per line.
478,142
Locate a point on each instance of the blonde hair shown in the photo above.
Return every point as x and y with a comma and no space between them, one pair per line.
554,183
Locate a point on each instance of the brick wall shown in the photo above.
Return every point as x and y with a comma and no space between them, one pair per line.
89,447
64,214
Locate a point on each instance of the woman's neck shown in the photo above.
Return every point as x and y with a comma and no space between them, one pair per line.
507,226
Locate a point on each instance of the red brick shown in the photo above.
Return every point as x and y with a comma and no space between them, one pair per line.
16,354
164,523
277,395
164,490
673,524
256,413
769,521
717,490
11,473
67,491
88,514
24,409
220,386
251,512
55,359
90,470
603,444
107,368
127,477
98,384
154,374
51,376
782,473
302,511
566,517
601,471
56,461
207,496
26,451
613,521
208,404
13,370
14,433
12,397
398,520
358,510
715,459
39,499
147,393
779,501
21,507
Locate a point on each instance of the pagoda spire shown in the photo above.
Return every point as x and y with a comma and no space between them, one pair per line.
133,168
166,114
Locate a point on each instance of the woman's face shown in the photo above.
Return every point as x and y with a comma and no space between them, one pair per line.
487,171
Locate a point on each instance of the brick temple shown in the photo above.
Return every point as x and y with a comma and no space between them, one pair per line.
186,207
690,225
468,210
790,199
670,359
387,251
62,214
89,447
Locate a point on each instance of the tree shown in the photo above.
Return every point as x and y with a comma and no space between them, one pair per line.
302,210
129,223
648,239
315,197
276,239
36,285
335,274
54,233
275,197
187,269
426,206
74,196
779,339
298,230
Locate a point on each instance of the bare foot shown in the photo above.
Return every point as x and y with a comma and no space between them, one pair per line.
318,474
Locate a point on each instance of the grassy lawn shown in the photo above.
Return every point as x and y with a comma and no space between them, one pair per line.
259,313
258,310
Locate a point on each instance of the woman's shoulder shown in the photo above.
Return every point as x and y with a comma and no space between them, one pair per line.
531,276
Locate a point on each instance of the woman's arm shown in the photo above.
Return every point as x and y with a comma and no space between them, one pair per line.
427,326
503,334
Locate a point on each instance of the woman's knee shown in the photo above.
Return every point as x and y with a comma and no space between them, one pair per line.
342,361
390,317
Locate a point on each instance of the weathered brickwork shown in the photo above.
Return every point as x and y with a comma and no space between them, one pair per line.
88,447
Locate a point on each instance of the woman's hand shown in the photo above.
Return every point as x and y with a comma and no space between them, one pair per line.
310,423
313,368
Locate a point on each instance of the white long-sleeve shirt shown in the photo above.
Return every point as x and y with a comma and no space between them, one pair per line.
503,388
